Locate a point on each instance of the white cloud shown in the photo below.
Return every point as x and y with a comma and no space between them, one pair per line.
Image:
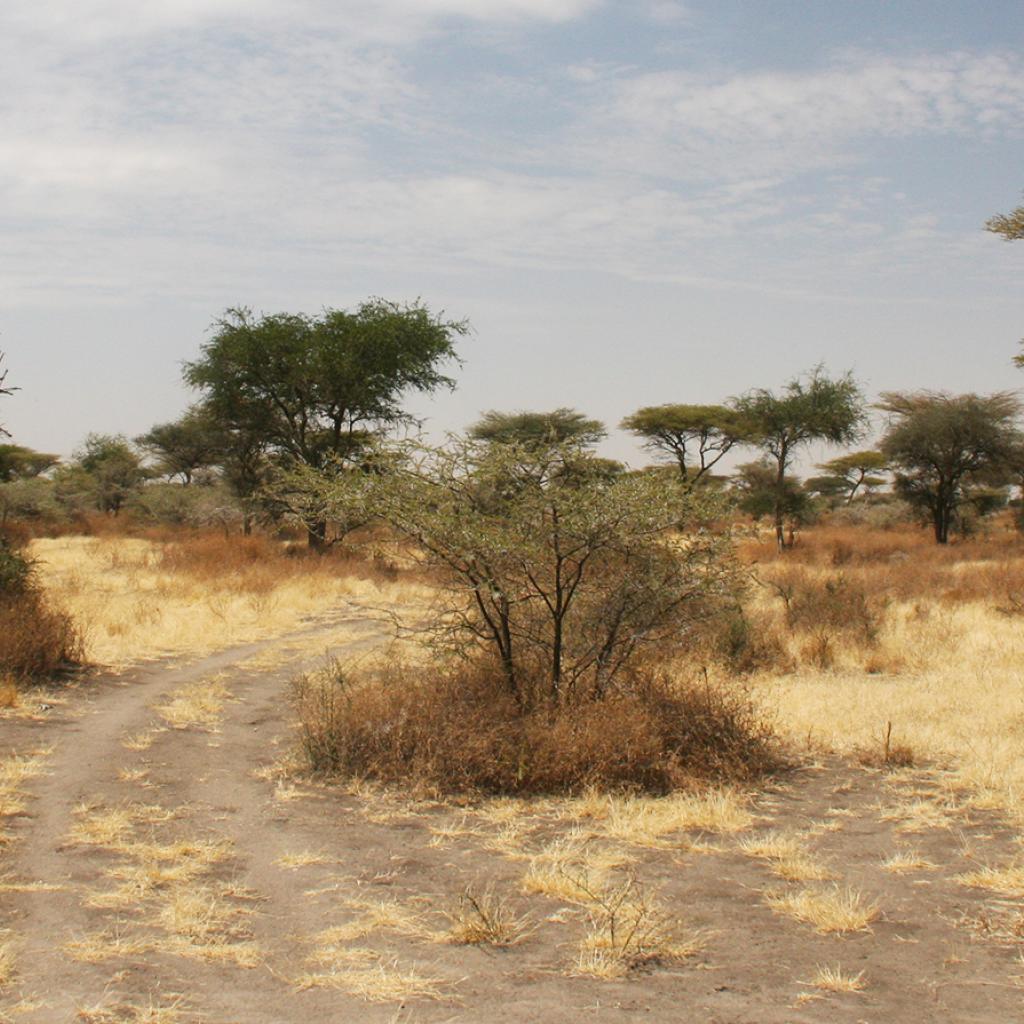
683,124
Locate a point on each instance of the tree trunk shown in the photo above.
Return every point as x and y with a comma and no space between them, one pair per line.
316,536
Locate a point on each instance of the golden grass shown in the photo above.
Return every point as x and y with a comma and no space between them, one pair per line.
904,861
113,1012
944,671
484,918
376,916
141,599
654,821
833,979
196,704
787,854
7,961
301,859
15,771
1008,879
366,974
834,910
627,930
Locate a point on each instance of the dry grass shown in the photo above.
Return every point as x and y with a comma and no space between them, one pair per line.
197,704
1008,879
904,861
660,821
113,1011
301,859
143,599
7,961
788,856
484,918
829,911
627,930
832,979
942,663
366,974
15,770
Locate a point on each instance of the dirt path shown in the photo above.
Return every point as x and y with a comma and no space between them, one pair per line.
164,870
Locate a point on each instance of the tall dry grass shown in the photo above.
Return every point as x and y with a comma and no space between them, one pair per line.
192,593
877,640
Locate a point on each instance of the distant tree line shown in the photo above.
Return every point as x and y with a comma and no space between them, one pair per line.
293,412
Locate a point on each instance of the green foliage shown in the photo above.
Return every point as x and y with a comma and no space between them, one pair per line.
811,408
15,570
1009,225
538,428
17,462
109,470
187,445
760,494
855,470
182,505
33,498
311,388
676,431
942,447
562,575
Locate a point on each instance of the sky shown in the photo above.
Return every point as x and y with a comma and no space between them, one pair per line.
632,202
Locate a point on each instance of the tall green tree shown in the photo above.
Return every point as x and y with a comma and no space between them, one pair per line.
810,408
943,446
315,390
696,437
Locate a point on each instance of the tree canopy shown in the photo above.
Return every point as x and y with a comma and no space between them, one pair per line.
814,407
1009,225
17,462
707,432
941,445
314,387
538,428
856,470
181,448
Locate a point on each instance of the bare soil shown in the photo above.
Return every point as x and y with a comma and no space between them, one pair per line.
298,858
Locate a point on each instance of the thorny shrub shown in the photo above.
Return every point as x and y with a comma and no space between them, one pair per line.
445,730
36,640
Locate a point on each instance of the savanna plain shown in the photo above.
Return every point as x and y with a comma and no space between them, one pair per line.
174,850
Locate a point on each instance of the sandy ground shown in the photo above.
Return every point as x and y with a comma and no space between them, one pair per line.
160,867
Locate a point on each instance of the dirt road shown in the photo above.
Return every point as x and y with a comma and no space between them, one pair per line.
163,869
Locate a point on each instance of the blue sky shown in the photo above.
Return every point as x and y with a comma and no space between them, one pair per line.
633,203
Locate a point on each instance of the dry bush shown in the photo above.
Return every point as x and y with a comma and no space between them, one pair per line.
459,730
36,639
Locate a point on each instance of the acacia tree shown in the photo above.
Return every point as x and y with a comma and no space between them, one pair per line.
708,432
108,469
545,429
185,446
314,390
563,579
20,463
811,408
941,446
1009,225
856,470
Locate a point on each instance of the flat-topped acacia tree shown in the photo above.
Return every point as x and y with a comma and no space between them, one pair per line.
814,407
315,390
696,437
